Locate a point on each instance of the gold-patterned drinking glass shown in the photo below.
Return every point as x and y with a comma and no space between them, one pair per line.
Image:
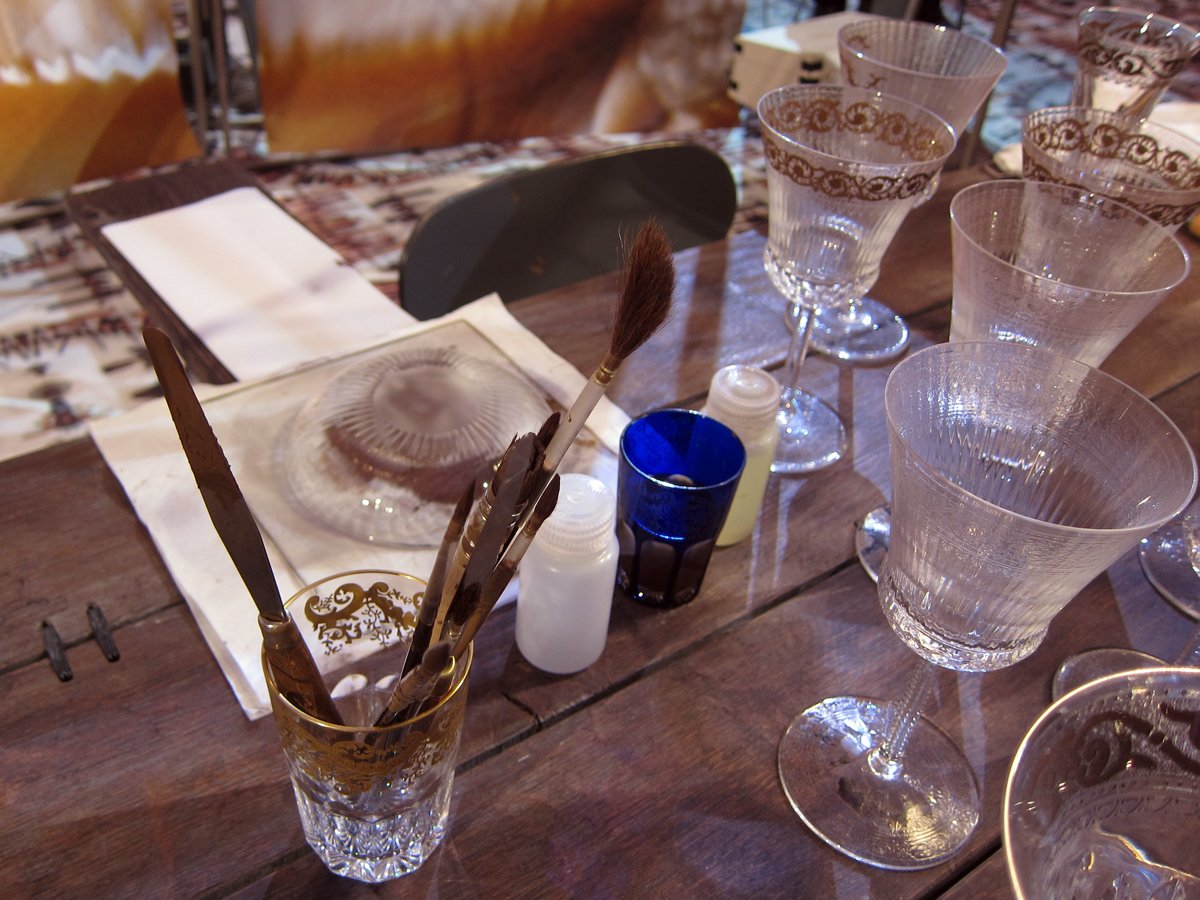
844,168
948,72
1104,792
1127,58
374,802
1155,170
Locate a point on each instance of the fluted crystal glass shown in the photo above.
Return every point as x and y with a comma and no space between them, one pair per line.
1056,267
1005,505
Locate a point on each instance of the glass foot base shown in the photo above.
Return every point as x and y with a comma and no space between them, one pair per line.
871,539
915,820
1089,665
872,334
1165,562
811,435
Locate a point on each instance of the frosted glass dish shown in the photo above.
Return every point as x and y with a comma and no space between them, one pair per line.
385,449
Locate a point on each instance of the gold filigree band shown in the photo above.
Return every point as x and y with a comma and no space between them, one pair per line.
916,141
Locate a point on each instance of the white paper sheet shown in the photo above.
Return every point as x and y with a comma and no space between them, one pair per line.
257,287
142,449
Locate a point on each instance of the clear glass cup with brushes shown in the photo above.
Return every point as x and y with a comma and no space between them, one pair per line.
373,799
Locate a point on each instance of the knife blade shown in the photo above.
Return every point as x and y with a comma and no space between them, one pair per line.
295,671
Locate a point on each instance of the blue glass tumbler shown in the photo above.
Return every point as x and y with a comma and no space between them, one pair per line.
677,476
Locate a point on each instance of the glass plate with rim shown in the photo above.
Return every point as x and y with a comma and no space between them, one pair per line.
385,449
253,423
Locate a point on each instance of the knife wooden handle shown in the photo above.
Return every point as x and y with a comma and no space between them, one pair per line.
295,671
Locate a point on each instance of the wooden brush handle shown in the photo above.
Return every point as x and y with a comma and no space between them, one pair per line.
296,674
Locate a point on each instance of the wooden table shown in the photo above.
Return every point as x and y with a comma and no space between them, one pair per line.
651,774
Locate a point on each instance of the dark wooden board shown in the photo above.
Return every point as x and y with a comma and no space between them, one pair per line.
989,881
650,774
667,787
70,539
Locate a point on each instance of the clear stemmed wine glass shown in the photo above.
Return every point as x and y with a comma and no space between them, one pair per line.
1150,167
844,168
1170,559
1103,793
1004,508
1051,266
947,72
1126,58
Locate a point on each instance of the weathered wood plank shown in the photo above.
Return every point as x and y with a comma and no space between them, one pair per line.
667,788
70,539
142,778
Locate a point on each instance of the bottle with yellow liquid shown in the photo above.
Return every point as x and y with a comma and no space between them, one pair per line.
746,399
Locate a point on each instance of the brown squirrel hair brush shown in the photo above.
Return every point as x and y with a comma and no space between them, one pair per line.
644,303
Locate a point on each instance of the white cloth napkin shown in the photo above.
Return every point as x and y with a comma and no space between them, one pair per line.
142,449
258,288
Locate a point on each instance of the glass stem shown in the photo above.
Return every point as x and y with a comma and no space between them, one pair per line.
887,759
1190,654
799,348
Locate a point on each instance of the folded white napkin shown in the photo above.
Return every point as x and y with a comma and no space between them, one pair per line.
142,449
258,288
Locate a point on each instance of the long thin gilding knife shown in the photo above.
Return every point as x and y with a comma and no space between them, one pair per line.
295,671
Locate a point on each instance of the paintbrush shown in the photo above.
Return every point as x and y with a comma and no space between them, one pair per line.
496,532
480,513
478,600
414,687
431,602
470,534
294,670
540,443
506,568
643,305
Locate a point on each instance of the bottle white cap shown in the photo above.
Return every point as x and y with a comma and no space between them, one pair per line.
745,398
584,518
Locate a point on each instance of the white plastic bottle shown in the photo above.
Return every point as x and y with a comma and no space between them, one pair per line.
567,579
746,399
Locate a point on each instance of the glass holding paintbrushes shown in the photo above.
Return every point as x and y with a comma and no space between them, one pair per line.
373,801
845,166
